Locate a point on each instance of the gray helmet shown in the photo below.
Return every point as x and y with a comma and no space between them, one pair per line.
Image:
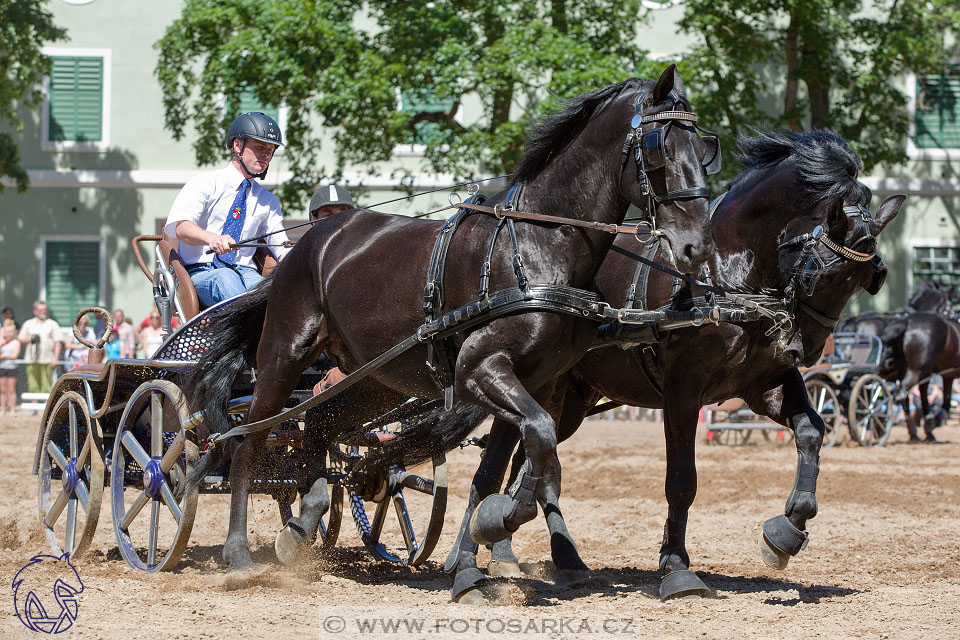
331,194
256,125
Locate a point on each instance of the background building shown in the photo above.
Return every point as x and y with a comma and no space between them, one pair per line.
103,169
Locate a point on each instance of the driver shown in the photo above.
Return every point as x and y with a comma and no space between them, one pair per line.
221,207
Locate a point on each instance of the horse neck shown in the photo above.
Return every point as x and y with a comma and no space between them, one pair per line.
747,229
582,184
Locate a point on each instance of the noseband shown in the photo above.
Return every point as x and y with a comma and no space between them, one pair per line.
650,155
809,266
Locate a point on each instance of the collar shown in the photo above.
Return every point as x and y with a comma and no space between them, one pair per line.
234,177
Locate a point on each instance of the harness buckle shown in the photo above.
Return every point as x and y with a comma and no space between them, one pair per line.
782,321
498,211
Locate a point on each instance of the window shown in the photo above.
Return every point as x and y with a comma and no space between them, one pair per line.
77,101
937,114
248,102
423,101
940,265
73,276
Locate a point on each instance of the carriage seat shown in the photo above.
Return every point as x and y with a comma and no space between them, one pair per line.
186,293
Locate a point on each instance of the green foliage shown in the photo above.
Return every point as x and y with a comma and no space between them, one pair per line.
342,65
25,27
814,63
519,60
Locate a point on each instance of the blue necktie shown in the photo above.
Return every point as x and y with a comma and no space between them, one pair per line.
233,226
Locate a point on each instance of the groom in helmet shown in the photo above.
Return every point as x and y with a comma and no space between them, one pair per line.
218,208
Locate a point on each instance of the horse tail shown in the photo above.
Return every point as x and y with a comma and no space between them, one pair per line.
426,435
235,335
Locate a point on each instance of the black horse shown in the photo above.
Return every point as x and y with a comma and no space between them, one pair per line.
354,287
921,341
766,234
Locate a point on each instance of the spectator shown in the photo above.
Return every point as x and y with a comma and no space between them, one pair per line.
77,352
113,348
151,336
128,343
9,351
41,336
9,315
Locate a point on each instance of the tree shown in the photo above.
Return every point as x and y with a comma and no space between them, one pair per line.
25,28
815,63
401,80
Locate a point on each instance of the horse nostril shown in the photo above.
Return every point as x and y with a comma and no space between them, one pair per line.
688,251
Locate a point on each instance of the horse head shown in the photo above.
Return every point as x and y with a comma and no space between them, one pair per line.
664,165
804,186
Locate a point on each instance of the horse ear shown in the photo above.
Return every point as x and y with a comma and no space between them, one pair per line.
888,210
669,81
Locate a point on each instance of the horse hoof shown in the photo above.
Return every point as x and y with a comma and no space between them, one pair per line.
772,557
779,540
570,577
682,585
486,523
287,545
504,569
467,582
473,597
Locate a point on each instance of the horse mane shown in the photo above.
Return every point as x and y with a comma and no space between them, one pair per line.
550,136
826,165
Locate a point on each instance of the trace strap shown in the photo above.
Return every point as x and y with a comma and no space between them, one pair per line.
501,213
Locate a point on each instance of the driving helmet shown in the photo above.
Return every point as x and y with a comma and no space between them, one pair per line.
331,194
256,125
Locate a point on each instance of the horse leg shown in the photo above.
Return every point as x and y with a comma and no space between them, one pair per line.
462,560
911,378
354,406
785,536
680,428
281,364
570,568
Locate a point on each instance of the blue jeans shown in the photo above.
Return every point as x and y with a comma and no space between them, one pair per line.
215,285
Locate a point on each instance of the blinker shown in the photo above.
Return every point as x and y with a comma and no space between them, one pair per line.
654,156
712,159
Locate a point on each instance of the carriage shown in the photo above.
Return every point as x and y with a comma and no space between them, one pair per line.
845,388
126,425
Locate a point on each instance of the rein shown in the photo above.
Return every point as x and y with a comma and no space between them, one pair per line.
500,213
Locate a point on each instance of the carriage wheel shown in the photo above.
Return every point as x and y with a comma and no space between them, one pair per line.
778,436
151,457
824,401
871,411
330,524
731,437
413,497
71,477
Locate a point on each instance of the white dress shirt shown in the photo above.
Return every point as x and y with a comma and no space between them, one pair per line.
206,200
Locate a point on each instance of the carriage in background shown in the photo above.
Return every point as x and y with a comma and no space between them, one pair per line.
845,388
126,424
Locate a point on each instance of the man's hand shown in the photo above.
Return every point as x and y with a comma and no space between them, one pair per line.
333,377
221,244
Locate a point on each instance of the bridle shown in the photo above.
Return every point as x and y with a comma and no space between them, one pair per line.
809,265
650,155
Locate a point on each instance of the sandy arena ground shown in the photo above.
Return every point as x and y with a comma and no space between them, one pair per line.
883,558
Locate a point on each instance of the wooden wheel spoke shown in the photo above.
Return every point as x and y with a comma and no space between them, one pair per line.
71,526
134,510
83,495
56,509
84,454
156,424
170,457
376,525
152,536
170,501
130,444
72,413
406,526
56,455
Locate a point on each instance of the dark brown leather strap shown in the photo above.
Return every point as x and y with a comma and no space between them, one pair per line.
540,217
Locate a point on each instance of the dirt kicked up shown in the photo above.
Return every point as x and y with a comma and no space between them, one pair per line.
883,559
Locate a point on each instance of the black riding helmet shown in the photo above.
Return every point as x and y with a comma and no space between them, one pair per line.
255,125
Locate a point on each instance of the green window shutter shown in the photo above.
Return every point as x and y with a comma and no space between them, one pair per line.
248,102
423,101
73,278
76,99
940,265
938,111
